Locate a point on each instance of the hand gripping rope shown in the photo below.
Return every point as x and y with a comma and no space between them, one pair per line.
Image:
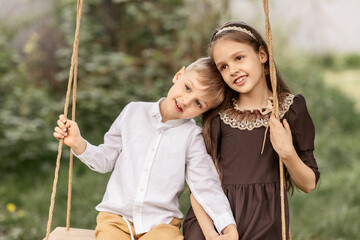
72,82
273,79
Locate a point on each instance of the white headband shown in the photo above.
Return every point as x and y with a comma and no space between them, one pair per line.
240,29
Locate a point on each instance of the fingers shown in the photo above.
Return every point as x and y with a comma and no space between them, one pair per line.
273,122
64,120
286,125
59,133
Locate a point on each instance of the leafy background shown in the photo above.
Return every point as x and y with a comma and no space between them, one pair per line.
129,51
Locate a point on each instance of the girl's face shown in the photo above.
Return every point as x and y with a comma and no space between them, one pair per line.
240,66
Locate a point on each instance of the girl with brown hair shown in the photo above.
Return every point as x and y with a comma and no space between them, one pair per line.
234,135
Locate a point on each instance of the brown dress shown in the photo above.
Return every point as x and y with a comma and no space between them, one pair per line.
251,179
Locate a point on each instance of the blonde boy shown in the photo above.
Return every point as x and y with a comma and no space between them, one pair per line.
151,149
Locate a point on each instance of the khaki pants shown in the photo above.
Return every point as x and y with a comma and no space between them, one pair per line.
113,227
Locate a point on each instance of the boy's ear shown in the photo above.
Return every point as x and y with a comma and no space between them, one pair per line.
178,74
262,55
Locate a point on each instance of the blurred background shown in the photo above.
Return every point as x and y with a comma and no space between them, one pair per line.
129,51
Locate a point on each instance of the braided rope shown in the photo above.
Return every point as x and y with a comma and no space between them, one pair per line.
273,79
71,82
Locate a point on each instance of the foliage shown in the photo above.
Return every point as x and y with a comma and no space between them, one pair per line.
331,211
129,51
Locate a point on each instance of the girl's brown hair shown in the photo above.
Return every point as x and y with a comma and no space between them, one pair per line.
256,41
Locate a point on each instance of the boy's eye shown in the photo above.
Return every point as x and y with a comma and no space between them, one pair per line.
239,58
198,103
187,88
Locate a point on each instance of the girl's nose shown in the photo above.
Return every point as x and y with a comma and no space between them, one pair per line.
233,70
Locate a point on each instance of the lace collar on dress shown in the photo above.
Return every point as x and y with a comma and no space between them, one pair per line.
248,119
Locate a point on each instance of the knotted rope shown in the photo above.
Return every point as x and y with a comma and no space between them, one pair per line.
273,79
72,82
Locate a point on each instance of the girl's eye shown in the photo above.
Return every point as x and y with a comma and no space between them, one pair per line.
223,67
198,103
239,58
187,88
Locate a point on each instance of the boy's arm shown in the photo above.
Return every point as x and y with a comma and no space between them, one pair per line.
100,158
207,225
204,182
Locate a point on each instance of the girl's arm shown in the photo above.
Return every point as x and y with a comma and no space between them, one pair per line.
281,139
207,225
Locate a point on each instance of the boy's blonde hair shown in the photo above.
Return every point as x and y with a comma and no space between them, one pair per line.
210,78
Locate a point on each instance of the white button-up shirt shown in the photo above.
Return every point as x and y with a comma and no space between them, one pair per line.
150,161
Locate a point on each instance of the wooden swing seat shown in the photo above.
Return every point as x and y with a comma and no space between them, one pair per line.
60,233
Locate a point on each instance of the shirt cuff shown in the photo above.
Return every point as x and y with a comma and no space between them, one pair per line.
86,155
223,221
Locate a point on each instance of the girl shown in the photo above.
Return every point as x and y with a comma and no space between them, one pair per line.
235,133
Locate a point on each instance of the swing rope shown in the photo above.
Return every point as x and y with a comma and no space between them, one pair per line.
273,79
72,82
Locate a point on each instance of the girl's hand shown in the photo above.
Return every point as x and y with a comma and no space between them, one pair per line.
281,138
69,131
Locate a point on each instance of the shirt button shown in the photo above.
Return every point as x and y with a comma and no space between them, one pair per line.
141,189
153,149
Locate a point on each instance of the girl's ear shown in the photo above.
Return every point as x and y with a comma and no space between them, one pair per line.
178,74
262,55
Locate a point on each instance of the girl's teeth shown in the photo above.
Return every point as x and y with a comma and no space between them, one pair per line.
240,80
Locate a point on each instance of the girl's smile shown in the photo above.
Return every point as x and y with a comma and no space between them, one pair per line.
240,80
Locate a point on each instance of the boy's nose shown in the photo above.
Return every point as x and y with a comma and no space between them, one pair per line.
186,101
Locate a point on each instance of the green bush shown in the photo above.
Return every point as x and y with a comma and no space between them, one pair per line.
129,51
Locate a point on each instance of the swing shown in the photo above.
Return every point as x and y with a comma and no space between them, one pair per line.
62,233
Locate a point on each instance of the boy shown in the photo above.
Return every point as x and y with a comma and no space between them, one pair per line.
148,148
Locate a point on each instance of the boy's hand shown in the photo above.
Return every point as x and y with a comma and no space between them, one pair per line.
69,131
281,138
230,233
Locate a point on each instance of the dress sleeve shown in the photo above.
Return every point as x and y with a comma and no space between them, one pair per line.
303,133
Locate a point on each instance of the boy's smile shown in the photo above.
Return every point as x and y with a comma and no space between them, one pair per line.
187,98
178,107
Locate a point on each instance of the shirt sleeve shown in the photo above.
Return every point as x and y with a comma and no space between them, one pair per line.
303,133
204,183
102,158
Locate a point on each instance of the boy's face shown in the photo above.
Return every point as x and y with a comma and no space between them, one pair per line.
187,98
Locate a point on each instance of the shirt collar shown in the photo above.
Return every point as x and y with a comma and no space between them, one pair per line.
155,112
